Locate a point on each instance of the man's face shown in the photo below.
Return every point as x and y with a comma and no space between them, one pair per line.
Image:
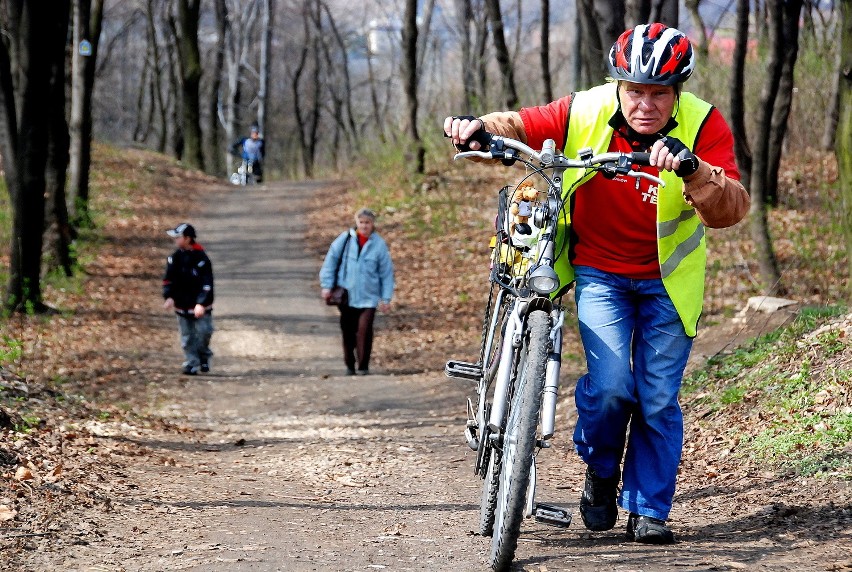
647,108
183,242
365,225
255,134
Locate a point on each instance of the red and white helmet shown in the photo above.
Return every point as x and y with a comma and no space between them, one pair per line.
652,53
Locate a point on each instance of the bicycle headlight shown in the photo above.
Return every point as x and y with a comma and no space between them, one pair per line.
544,280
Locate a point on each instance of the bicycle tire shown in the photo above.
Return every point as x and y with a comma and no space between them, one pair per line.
488,502
519,441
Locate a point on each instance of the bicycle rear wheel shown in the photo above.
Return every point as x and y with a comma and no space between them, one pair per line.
519,441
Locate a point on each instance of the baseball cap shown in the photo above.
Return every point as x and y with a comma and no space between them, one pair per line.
183,229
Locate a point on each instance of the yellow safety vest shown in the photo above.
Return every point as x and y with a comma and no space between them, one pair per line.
681,246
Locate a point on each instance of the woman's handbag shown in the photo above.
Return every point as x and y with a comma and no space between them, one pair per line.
339,296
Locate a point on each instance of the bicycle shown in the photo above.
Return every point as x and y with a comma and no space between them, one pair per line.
244,174
517,373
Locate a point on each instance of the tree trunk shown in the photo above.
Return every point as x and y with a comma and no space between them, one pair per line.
307,117
464,20
832,113
501,53
265,63
700,43
770,276
647,11
409,74
59,234
156,86
88,17
480,46
737,87
602,21
545,50
175,99
242,19
24,142
791,12
214,158
190,75
843,149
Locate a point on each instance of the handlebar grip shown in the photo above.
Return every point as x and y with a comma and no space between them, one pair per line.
641,158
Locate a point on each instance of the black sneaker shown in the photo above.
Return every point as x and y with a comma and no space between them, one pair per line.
190,370
363,372
598,505
350,371
648,530
205,367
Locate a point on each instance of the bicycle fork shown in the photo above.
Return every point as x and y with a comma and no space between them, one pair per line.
514,337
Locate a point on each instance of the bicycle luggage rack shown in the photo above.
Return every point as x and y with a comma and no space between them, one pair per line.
463,370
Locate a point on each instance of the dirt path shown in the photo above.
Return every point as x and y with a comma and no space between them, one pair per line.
292,466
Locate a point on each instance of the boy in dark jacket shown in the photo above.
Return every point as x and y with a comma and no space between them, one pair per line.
188,289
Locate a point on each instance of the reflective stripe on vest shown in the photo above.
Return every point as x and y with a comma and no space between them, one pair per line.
681,246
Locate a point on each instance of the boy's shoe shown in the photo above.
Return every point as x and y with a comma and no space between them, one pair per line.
190,370
350,371
648,530
205,367
598,506
363,372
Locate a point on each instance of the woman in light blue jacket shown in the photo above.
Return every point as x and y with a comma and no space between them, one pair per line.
362,263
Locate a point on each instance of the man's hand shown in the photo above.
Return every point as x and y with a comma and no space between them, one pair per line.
198,311
384,306
169,304
467,132
326,294
670,154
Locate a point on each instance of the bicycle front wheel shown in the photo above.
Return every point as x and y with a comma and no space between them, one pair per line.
519,441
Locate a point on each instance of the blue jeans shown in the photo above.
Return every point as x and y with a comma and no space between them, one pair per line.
636,349
195,334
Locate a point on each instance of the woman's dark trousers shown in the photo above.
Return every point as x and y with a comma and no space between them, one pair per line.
357,327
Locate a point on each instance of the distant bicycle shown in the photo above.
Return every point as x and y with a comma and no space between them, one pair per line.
245,174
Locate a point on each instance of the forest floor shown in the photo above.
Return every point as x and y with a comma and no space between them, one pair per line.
275,460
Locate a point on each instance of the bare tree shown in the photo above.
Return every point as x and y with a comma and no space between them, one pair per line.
25,77
600,22
647,11
156,76
307,115
190,79
770,275
242,17
464,20
501,53
702,46
266,26
843,149
214,157
832,112
87,21
409,74
790,14
545,50
742,148
59,231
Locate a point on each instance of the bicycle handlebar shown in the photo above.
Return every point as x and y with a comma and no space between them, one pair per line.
507,149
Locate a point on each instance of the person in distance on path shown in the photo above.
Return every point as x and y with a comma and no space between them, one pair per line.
359,260
188,290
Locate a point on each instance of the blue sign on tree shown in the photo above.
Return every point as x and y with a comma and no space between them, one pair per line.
85,48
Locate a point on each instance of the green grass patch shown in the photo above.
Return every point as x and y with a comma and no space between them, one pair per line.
785,396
